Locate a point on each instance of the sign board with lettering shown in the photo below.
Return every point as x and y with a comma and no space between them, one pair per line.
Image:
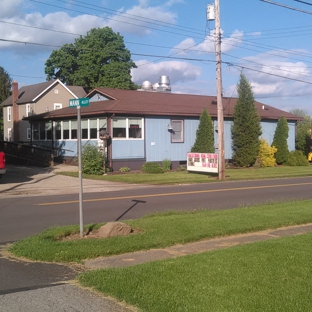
79,102
202,162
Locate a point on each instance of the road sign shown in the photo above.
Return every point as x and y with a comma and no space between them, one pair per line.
79,102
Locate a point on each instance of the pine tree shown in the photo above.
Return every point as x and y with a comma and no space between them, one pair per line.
204,142
246,127
280,141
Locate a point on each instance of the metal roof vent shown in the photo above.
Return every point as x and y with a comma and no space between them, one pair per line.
147,85
164,84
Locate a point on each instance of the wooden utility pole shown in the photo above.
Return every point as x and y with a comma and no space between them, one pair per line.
219,93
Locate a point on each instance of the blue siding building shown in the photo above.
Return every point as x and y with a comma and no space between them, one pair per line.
146,126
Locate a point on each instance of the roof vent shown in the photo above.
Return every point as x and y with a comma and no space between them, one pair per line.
163,85
147,85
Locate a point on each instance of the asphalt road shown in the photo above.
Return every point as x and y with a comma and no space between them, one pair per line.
28,213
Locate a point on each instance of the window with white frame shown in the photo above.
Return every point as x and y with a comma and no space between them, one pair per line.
9,134
127,128
67,129
9,113
58,106
28,134
177,133
28,110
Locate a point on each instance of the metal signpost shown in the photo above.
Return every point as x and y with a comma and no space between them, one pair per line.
78,103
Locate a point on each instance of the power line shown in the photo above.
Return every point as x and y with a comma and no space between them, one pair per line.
286,6
121,21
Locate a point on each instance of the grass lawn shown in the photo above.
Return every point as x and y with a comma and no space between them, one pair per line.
270,276
184,177
161,230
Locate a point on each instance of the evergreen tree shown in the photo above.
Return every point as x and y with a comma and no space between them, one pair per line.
204,142
246,127
303,140
280,141
99,59
5,92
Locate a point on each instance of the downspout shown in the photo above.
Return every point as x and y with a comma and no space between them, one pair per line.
109,141
15,113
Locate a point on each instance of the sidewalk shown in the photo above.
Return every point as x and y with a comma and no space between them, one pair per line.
34,181
140,257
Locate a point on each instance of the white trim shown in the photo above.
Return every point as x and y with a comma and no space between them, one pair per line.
9,109
9,134
51,85
27,109
60,105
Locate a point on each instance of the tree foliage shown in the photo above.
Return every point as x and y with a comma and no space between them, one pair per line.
246,127
204,142
99,59
280,141
303,138
5,92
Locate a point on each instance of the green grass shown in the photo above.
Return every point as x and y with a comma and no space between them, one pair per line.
270,276
184,177
161,230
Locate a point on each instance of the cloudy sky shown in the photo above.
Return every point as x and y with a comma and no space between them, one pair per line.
270,44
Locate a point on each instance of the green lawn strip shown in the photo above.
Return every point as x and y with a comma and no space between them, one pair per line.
184,177
274,275
162,230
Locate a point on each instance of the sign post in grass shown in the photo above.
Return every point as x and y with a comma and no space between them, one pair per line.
78,103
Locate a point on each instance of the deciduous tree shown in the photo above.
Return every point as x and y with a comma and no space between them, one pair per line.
99,59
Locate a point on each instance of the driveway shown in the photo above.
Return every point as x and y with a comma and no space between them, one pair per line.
34,181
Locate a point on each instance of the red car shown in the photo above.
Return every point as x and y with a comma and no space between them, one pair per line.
2,164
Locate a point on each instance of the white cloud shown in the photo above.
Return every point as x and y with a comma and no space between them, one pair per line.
9,8
184,47
172,2
188,45
177,71
76,25
277,79
137,19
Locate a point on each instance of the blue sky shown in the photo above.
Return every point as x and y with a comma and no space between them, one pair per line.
270,44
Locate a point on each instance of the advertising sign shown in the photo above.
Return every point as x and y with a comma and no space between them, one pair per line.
202,162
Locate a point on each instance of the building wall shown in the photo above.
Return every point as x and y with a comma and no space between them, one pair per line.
7,124
57,95
158,139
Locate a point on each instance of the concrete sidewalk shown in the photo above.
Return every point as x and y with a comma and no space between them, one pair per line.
140,257
34,181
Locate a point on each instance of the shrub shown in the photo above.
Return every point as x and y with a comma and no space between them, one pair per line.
92,160
124,169
181,168
152,167
266,154
166,164
297,158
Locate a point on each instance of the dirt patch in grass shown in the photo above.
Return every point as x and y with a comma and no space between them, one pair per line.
94,234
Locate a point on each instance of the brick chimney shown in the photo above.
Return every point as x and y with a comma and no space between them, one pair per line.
15,113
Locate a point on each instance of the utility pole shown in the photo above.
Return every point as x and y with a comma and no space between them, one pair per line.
221,160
